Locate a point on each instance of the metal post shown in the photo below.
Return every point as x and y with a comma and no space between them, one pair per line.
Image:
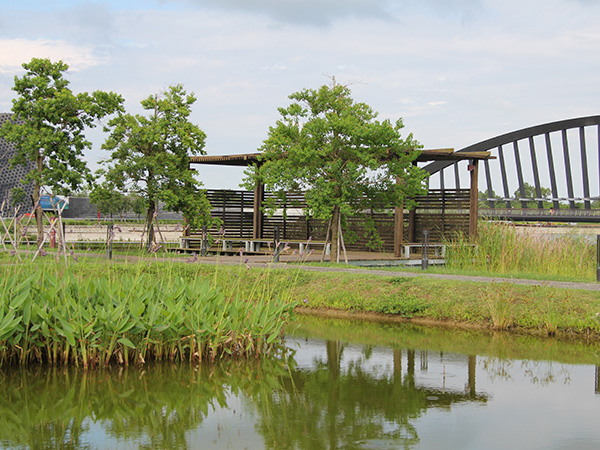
425,251
204,242
276,244
109,239
598,258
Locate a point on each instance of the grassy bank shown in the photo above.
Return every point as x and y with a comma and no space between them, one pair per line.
97,313
500,306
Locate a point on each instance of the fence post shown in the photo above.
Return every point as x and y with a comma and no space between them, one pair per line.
276,244
597,257
204,242
425,251
109,239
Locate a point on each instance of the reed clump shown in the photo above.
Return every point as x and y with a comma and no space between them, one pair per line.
502,249
59,318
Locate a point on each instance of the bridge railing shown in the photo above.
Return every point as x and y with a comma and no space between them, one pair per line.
550,215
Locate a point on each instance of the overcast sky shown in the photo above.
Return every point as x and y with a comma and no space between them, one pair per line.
456,71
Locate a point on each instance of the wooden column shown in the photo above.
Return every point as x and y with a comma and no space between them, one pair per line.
474,203
398,227
398,230
257,220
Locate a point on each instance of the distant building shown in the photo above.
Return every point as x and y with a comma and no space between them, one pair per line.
11,177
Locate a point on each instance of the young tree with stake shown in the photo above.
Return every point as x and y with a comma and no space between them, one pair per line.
49,129
334,149
150,157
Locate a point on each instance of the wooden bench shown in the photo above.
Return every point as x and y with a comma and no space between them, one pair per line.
226,244
439,250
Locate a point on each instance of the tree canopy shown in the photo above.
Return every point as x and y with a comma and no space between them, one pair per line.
49,127
335,150
150,156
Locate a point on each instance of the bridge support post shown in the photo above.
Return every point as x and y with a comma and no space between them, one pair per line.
474,201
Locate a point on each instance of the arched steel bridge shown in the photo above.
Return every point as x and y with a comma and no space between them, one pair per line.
549,172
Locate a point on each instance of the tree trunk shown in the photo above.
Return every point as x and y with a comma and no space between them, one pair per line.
335,232
36,201
150,224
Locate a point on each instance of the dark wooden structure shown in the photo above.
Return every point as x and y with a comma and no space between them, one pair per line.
441,212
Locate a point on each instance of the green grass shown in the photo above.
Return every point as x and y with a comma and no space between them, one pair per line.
501,250
537,309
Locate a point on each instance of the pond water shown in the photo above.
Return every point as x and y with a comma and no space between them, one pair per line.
348,384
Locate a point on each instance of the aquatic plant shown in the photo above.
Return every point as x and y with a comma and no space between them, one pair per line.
59,318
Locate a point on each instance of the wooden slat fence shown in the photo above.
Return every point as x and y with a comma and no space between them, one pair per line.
441,212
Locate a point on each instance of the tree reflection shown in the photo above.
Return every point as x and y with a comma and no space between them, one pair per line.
336,402
327,407
55,407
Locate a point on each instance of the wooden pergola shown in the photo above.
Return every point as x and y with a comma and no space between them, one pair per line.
444,154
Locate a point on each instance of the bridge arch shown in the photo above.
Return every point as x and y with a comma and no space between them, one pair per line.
553,166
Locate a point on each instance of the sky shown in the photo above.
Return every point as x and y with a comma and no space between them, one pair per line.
456,71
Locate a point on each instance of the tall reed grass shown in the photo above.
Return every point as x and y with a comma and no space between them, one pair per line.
59,318
502,249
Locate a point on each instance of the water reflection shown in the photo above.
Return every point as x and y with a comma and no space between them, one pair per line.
349,385
145,408
356,402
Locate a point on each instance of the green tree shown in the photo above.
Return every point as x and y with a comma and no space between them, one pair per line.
150,157
49,129
530,195
138,205
108,201
335,150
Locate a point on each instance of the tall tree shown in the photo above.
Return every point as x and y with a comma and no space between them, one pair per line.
150,156
49,129
335,150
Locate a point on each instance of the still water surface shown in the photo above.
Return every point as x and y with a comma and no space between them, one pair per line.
349,385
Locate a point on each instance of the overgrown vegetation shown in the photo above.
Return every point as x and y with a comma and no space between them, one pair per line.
501,249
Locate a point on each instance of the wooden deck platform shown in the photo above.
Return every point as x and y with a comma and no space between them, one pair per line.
294,257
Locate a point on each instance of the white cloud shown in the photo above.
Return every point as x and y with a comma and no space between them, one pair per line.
15,52
458,71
